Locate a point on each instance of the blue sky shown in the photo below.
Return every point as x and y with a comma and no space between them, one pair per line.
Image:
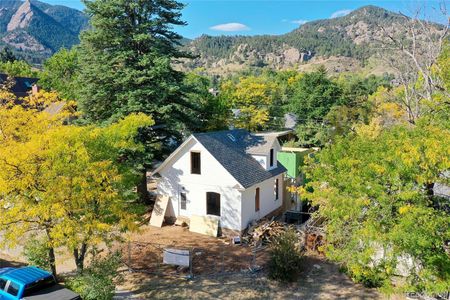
216,17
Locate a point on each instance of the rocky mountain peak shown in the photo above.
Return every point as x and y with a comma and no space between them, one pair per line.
22,17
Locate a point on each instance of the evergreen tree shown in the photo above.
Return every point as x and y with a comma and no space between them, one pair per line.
125,62
125,67
6,55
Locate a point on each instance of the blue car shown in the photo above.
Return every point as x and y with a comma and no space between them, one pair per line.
31,283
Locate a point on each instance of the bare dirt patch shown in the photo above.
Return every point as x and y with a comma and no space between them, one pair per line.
222,272
319,279
210,255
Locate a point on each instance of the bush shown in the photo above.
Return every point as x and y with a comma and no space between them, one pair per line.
36,252
285,257
97,281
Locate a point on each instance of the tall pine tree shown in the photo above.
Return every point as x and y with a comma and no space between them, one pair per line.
125,67
126,58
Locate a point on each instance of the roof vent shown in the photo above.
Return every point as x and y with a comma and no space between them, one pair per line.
231,137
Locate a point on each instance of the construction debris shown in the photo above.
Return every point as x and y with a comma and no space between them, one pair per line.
263,232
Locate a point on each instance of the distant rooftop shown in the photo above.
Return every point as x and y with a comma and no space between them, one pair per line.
22,85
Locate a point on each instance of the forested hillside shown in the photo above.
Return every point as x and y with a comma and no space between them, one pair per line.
35,30
342,44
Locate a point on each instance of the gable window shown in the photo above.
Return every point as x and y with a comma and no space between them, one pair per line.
212,203
276,189
257,199
271,157
195,163
183,200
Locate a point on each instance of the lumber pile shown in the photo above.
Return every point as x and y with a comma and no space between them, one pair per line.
262,232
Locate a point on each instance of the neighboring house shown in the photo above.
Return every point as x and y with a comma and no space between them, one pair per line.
23,85
231,174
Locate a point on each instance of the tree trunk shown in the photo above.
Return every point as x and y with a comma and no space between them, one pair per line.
79,256
52,260
430,190
142,188
51,254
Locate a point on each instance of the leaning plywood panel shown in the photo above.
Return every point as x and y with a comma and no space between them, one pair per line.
159,211
207,225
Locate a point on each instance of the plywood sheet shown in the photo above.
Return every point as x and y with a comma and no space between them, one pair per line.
207,225
159,211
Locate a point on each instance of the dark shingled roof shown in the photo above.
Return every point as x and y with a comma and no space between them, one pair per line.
22,84
229,148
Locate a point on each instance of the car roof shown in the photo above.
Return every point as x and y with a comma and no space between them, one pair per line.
26,275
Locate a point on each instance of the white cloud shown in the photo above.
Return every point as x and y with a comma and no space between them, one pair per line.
340,13
299,22
230,27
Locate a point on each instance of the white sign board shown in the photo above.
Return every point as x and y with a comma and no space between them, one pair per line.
176,257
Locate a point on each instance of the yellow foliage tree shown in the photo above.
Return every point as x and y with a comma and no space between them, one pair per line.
72,183
253,96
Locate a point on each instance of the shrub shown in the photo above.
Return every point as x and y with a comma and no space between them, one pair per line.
97,281
36,252
285,256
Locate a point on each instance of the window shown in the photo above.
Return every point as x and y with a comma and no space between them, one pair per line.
183,200
213,203
13,288
276,189
257,200
271,157
195,163
2,284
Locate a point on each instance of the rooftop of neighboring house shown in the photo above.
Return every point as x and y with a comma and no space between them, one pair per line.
22,86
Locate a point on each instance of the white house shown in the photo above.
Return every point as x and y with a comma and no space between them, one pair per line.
231,174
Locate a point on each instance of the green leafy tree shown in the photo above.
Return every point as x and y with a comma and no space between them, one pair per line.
314,95
18,68
212,111
376,193
60,73
97,281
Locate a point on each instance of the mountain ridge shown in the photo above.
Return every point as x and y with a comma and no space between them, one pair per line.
347,42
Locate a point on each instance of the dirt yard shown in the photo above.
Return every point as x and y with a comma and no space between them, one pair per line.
222,271
318,280
210,255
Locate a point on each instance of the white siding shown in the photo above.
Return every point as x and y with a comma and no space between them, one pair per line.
262,159
267,200
276,147
213,178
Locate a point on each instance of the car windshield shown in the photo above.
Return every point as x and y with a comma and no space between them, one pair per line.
38,285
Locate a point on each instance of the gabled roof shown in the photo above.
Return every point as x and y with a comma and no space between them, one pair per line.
231,149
